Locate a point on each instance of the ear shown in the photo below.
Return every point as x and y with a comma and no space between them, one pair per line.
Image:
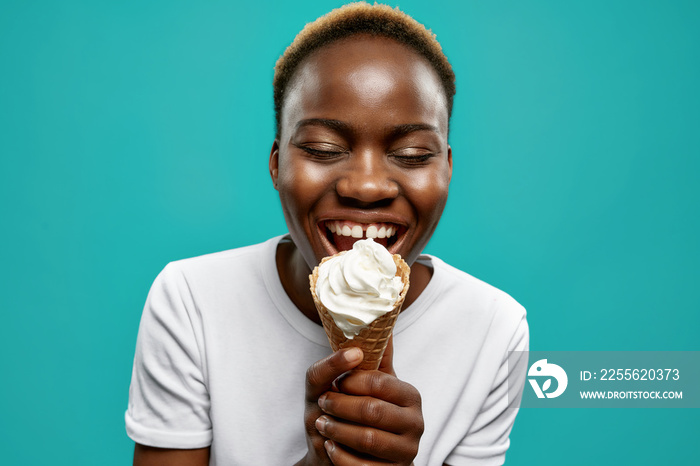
274,162
449,159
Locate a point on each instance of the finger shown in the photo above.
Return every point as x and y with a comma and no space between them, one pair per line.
340,456
321,374
379,385
375,442
371,412
387,362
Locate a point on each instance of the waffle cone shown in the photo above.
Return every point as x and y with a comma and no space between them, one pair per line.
372,340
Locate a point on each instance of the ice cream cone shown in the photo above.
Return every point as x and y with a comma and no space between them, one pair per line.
373,338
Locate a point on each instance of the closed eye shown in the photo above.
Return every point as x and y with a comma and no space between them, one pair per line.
322,153
412,157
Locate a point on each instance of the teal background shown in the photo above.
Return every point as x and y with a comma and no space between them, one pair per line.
136,133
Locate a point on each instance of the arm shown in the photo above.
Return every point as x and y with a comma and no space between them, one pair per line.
368,416
152,456
168,397
488,439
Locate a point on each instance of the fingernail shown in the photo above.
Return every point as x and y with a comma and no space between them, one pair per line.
321,424
330,446
353,355
322,401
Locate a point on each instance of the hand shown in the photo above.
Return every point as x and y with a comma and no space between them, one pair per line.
319,380
371,417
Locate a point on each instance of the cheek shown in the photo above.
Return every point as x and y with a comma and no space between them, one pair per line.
428,192
300,185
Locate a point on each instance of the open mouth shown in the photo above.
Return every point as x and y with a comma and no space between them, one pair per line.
342,234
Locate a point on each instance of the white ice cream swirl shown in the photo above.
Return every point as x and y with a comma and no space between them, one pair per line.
358,286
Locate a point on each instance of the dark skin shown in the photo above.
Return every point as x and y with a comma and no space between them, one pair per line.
363,139
360,417
151,456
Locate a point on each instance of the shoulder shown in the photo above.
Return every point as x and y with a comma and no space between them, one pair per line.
239,257
223,265
479,314
457,284
218,274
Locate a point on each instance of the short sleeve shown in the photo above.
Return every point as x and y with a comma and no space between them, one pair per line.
488,440
168,397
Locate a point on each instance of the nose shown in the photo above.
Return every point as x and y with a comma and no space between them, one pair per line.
368,179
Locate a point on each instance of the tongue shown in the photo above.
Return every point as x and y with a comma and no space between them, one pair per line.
344,243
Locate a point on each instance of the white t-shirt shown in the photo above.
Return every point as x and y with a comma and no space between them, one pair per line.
222,354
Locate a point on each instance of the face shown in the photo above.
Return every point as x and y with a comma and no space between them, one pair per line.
362,150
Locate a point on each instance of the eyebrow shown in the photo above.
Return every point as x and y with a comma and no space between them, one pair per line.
337,125
402,130
342,127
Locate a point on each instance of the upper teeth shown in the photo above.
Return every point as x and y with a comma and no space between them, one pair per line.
361,230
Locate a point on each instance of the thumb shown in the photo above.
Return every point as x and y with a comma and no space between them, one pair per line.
387,362
321,374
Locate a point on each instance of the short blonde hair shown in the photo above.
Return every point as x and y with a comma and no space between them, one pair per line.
361,18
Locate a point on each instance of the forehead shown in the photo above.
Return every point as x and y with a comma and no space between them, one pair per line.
366,78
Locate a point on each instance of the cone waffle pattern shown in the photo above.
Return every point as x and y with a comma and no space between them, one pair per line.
372,339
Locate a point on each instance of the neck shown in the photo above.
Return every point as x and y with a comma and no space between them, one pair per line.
294,275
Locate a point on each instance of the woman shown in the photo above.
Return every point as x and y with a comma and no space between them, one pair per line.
232,365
